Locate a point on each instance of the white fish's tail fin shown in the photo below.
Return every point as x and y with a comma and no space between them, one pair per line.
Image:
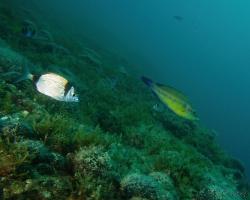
25,75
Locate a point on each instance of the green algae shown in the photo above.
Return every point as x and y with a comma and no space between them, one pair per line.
112,145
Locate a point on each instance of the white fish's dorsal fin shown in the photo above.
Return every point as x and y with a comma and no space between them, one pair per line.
55,78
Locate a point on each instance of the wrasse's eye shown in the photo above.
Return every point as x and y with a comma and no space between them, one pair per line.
74,95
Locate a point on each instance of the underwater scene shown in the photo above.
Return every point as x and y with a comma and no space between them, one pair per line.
107,100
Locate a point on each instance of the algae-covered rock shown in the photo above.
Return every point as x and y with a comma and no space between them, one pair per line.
166,182
216,187
37,148
216,192
92,160
137,198
12,156
42,154
145,187
16,123
43,187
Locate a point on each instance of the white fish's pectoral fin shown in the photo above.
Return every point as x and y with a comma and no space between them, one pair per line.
72,90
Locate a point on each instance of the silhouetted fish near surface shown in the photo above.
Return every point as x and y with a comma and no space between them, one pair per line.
52,85
178,18
173,99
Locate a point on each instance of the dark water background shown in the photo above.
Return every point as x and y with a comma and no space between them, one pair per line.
200,47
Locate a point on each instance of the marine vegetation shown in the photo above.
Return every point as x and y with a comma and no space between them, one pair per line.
112,144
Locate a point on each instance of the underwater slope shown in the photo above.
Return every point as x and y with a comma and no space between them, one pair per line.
113,144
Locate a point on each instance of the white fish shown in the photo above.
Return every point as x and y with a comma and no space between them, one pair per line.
56,86
53,85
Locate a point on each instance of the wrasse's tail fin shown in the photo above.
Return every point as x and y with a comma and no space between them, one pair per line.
147,81
25,75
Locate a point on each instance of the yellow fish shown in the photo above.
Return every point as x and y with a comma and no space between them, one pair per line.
173,99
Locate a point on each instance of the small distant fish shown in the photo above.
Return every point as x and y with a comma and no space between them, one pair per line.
123,70
158,107
52,85
178,18
28,33
28,29
173,99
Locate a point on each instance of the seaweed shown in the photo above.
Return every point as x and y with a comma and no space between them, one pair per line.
112,145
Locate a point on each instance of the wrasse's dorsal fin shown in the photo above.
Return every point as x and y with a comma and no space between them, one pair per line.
173,91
